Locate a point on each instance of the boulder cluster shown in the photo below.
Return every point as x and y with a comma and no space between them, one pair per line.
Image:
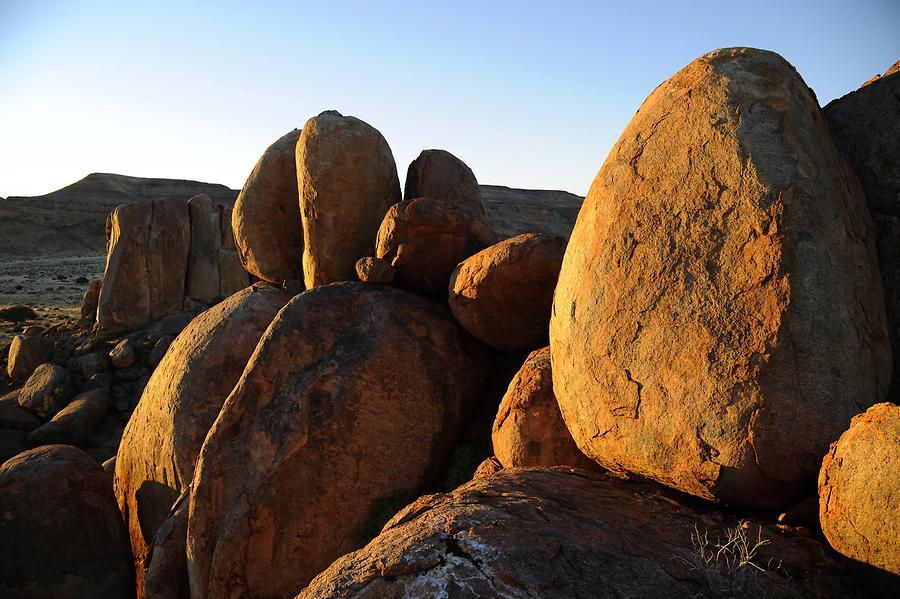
164,256
711,341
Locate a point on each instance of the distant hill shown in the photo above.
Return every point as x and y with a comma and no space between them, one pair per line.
71,221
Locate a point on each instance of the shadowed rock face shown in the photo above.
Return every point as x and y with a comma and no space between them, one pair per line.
266,216
60,533
865,126
529,430
717,320
355,393
512,211
562,533
155,461
859,493
347,180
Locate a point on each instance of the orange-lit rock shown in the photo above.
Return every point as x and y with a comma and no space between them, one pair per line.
155,461
374,270
268,233
859,489
25,354
355,393
347,180
718,317
502,294
440,175
424,239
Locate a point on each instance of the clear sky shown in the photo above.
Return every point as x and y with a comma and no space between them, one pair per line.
529,94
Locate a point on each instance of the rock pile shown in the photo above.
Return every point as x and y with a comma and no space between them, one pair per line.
164,256
714,323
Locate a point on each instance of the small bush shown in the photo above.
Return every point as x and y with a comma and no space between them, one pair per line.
17,314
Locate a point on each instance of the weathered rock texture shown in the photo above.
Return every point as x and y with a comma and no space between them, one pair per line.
424,239
266,217
347,180
529,430
865,126
718,317
27,353
60,533
354,394
859,489
163,255
503,294
162,440
561,533
440,175
124,302
46,391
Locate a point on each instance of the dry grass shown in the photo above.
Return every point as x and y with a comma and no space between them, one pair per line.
730,567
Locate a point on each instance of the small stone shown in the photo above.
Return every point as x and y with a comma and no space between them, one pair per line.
122,355
374,270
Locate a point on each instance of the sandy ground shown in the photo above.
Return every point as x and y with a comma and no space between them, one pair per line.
48,285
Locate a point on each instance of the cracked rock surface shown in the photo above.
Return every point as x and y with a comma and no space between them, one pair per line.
562,533
718,317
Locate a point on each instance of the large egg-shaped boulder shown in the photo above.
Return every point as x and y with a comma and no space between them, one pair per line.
354,396
347,180
718,318
155,461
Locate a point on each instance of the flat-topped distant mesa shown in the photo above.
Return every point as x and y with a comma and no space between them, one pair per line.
70,221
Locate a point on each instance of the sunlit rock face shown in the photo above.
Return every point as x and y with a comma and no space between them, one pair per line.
347,180
159,447
528,429
266,216
502,294
859,492
356,393
718,316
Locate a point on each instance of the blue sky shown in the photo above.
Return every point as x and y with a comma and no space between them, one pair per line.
529,94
